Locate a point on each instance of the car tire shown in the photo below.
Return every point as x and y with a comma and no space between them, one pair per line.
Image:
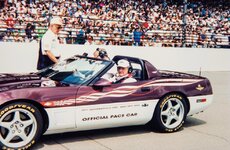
170,113
21,125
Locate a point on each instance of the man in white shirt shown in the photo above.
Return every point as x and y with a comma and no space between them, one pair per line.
124,72
49,44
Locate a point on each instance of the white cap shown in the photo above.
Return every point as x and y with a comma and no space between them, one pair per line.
123,63
56,20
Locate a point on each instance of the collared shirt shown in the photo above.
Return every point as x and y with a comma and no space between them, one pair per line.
129,80
50,42
124,79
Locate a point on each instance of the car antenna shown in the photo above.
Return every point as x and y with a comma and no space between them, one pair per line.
200,72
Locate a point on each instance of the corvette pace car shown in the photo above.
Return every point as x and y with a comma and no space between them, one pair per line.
76,95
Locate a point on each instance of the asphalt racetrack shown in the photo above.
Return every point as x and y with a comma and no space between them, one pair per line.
205,131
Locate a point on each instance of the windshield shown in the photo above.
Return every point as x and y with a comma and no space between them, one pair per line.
76,70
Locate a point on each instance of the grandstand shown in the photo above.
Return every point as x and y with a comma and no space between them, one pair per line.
156,23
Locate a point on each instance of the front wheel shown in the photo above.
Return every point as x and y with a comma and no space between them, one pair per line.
170,113
21,125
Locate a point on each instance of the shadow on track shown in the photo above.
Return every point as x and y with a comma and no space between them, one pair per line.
81,136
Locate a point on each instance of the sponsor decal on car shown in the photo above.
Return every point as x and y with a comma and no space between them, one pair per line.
199,87
48,84
56,103
145,105
114,116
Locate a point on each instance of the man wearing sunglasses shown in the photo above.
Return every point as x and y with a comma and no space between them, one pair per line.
49,44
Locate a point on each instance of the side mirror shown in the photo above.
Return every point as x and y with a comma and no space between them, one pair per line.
102,83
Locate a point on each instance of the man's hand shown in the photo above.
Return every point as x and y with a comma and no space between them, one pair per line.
51,56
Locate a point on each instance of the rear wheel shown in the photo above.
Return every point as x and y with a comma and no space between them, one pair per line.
170,113
20,125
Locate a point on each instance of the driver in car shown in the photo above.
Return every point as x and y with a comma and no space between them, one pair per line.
124,72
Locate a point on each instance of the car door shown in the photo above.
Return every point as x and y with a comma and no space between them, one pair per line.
114,105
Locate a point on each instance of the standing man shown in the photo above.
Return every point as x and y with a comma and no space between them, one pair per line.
49,44
137,37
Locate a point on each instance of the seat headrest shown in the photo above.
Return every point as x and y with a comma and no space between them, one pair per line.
137,74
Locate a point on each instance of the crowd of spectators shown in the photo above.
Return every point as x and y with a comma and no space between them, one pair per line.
155,23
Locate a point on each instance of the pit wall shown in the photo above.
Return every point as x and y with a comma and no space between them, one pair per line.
22,57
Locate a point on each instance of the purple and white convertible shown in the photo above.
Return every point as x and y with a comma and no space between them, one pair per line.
76,95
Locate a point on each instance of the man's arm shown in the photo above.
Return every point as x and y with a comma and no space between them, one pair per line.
51,56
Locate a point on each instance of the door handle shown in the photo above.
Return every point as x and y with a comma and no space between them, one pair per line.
145,89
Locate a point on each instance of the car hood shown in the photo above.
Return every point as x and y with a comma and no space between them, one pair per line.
20,81
10,78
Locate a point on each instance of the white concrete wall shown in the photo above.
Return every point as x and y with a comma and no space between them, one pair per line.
22,57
